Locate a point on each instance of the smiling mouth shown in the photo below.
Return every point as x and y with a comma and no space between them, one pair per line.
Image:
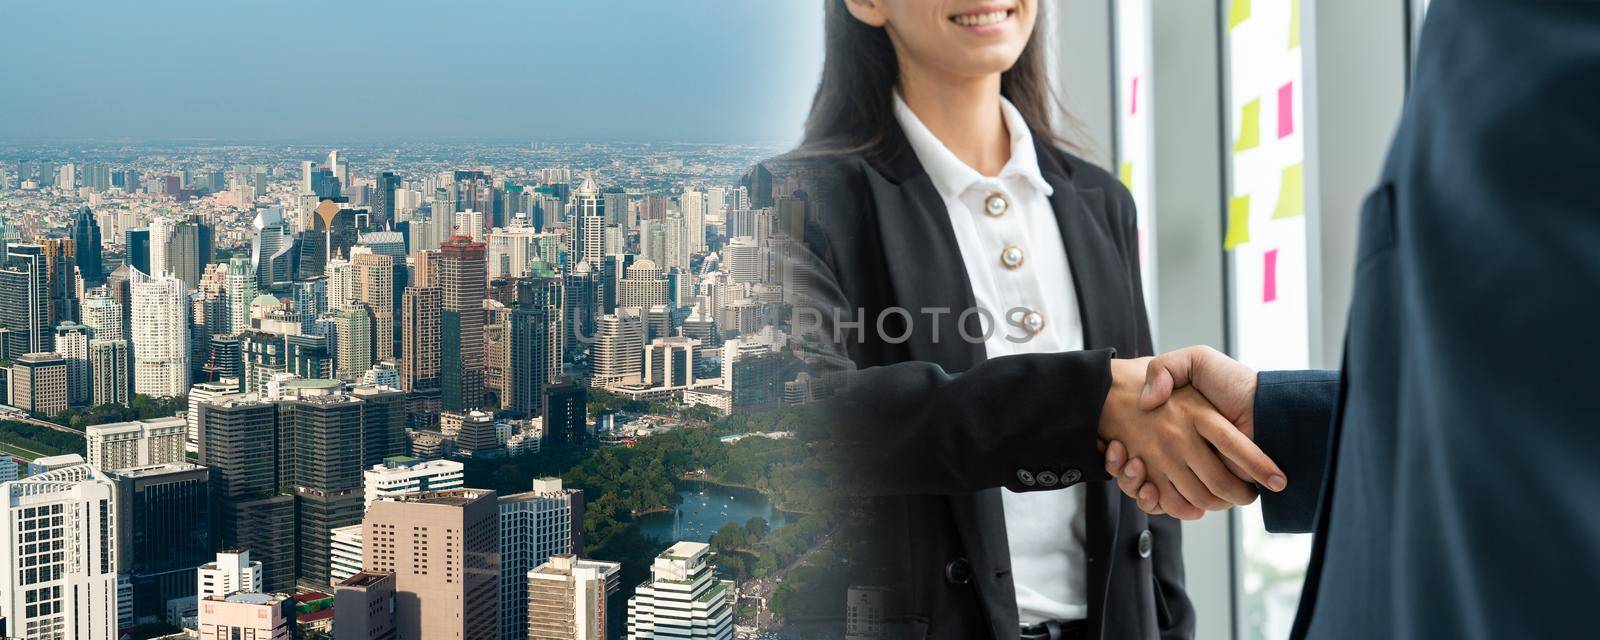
983,18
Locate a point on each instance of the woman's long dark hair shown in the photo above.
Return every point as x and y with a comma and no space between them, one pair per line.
853,111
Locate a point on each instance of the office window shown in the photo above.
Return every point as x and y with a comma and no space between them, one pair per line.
1267,256
1133,132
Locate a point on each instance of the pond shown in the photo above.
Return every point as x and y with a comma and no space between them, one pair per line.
705,508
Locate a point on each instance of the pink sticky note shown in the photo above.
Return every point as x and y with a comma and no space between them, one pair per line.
1133,97
1286,110
1269,275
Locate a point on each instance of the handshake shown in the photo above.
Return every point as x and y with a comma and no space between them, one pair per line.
1178,433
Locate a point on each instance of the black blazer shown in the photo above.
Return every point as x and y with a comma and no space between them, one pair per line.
1449,469
927,431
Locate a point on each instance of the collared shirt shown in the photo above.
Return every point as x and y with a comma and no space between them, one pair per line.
1017,267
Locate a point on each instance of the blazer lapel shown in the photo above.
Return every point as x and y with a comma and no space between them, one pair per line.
916,231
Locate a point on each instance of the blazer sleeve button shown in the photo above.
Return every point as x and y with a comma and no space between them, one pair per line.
958,571
1146,543
1047,478
1071,476
1025,477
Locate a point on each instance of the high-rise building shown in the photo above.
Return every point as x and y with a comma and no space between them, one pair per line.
202,392
262,616
241,286
232,572
189,250
240,443
160,337
126,445
58,564
373,284
534,525
420,337
364,607
383,192
683,597
383,423
25,301
272,248
108,370
566,418
103,315
86,243
354,339
669,362
443,549
137,242
325,456
163,527
534,346
742,260
474,431
463,283
589,211
618,348
567,598
399,475
39,383
72,342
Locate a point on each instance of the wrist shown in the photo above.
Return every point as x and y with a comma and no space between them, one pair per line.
1122,397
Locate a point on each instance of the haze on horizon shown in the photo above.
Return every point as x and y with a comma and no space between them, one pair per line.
608,70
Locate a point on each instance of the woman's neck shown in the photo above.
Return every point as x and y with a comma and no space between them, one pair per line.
964,113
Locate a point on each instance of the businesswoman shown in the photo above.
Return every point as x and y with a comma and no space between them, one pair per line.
976,288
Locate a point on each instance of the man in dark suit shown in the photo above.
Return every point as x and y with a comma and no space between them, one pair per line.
1450,469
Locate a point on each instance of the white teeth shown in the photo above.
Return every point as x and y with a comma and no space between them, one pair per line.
981,19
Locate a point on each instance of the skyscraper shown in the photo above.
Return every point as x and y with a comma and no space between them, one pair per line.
160,336
618,348
39,383
86,243
189,250
683,597
241,286
240,443
589,211
108,370
272,248
419,339
372,283
534,343
463,283
137,242
72,342
163,530
58,564
566,413
325,456
567,598
383,200
25,301
534,525
443,548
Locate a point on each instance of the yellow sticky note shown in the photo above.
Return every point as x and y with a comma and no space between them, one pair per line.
1294,24
1238,12
1125,172
1249,127
1238,222
1292,195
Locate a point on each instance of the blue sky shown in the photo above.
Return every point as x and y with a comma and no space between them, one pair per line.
640,70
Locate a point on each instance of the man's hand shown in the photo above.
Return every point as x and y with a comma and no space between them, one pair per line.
1178,444
1230,387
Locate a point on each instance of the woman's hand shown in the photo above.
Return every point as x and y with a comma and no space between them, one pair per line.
1175,448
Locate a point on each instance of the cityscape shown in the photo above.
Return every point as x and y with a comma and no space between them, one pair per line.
405,390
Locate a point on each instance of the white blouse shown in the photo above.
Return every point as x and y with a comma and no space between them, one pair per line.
1019,274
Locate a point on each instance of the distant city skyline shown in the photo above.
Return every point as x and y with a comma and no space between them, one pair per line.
622,70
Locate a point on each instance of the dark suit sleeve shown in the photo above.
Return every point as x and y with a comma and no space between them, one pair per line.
1294,422
915,428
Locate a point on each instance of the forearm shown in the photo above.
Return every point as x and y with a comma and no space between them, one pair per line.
1293,426
912,428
